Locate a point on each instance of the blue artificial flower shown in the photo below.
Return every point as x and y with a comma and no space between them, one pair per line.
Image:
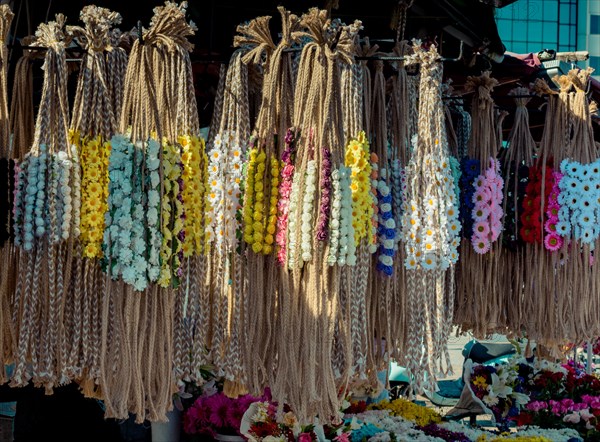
587,235
386,199
390,233
386,215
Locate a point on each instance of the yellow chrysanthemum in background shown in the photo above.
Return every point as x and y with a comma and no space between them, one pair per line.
408,410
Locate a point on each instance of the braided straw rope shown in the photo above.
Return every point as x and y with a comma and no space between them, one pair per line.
7,251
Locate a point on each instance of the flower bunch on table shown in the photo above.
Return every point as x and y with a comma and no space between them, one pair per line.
502,389
409,410
579,200
262,423
216,413
487,211
565,398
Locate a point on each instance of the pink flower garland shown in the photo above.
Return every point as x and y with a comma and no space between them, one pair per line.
285,190
487,212
553,241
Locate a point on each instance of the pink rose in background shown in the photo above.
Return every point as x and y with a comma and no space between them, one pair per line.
304,437
586,415
572,418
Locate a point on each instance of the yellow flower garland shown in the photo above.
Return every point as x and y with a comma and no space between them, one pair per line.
195,179
408,410
259,229
272,221
357,158
249,198
94,155
172,209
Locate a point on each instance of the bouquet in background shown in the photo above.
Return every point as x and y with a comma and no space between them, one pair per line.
217,414
501,389
262,424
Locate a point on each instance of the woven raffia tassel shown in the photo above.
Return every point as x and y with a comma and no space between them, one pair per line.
155,112
516,160
430,229
50,172
481,214
7,183
93,124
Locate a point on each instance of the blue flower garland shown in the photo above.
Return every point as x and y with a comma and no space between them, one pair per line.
386,227
470,171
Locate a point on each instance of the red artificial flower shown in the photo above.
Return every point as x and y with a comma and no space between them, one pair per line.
527,234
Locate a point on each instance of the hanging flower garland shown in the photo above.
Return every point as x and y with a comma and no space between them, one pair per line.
579,200
94,184
172,215
285,191
124,245
224,178
386,229
195,177
470,171
487,213
512,222
552,240
532,217
428,244
358,158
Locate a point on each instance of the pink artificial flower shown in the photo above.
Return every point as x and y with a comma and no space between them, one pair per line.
481,245
490,174
479,196
553,242
550,225
591,259
481,228
496,214
480,213
342,438
496,228
287,171
479,182
304,437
